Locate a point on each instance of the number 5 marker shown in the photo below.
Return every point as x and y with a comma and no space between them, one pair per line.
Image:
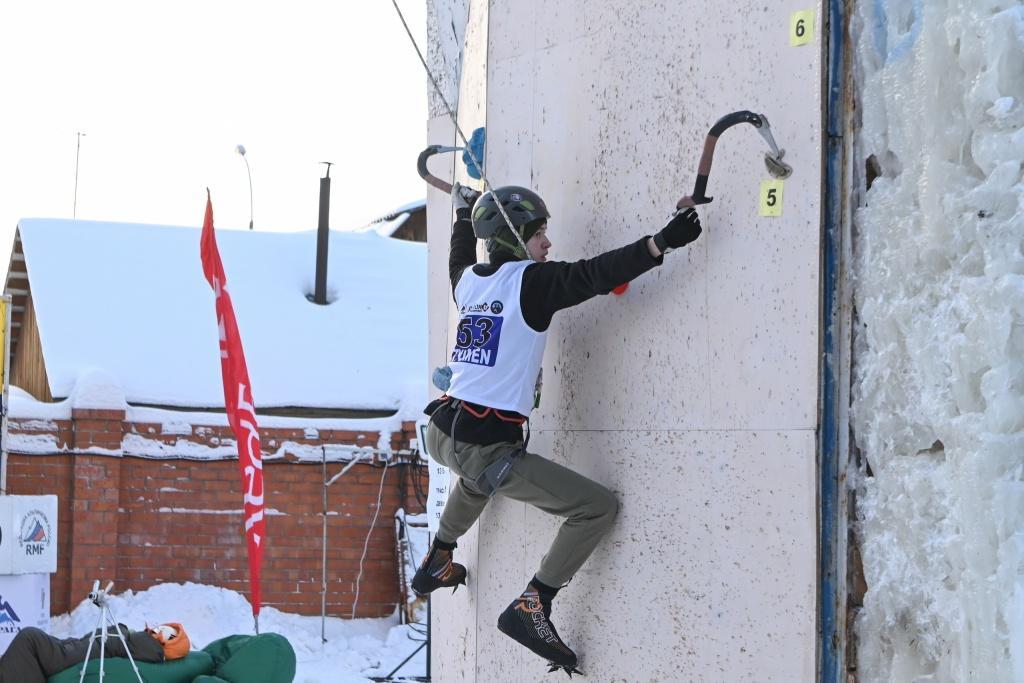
771,198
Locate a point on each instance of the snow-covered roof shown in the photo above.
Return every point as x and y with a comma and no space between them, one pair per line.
409,207
386,225
131,301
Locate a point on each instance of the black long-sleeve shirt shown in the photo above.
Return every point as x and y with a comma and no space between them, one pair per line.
547,288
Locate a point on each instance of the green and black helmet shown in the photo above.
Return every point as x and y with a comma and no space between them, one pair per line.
525,209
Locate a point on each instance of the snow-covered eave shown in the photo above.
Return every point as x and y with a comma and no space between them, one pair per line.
24,407
414,205
404,209
139,446
196,410
34,425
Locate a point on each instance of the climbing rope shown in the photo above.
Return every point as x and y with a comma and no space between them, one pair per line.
465,141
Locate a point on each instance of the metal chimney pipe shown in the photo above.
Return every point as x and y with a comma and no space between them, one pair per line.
323,234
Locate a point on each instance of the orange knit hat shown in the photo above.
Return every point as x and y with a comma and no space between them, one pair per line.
173,638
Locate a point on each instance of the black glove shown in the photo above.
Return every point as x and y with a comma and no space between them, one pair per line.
680,231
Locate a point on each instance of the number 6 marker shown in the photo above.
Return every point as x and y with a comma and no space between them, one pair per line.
801,27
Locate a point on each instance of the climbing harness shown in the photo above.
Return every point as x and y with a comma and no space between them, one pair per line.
488,481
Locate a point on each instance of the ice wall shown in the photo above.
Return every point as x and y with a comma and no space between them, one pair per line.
938,395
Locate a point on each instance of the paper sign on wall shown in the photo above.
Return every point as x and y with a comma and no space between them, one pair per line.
801,28
771,198
440,482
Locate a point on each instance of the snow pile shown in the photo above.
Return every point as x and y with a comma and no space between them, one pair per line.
939,352
97,389
355,649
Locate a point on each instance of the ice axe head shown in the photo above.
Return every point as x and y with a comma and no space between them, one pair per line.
777,168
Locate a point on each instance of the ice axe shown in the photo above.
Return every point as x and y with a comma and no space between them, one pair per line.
471,154
421,166
772,160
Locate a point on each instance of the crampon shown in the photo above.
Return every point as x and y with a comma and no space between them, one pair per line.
568,669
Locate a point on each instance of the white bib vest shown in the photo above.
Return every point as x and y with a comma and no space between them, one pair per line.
497,356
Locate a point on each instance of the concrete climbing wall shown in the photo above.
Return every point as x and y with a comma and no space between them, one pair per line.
694,395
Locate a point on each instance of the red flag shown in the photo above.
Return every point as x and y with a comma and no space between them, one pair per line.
239,404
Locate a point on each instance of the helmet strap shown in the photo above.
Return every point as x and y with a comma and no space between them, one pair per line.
522,245
517,249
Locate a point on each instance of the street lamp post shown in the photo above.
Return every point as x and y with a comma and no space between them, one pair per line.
78,150
241,151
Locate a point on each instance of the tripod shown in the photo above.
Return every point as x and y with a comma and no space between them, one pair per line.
100,599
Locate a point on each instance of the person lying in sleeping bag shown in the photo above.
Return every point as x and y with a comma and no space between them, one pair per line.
34,655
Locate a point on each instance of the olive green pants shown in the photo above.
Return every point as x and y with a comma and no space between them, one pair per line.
588,507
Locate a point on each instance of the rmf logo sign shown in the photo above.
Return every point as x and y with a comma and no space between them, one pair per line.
35,536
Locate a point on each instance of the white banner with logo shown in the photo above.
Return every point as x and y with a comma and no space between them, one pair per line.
440,482
28,534
24,601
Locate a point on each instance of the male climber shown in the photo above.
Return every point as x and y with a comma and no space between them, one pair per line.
476,429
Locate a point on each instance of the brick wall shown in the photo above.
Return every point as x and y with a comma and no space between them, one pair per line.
140,521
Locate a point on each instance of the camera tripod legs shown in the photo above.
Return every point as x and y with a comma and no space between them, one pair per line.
106,620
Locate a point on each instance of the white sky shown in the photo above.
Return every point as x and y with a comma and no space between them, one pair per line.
164,93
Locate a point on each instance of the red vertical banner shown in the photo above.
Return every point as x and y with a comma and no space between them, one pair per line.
239,404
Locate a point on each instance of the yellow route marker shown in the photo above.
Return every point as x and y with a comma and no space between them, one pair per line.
771,198
801,27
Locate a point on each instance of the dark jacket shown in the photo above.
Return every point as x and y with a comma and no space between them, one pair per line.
33,655
547,288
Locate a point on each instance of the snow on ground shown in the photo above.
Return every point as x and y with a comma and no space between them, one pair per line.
355,650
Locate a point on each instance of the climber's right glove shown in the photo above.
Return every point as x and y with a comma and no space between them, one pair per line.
680,231
463,197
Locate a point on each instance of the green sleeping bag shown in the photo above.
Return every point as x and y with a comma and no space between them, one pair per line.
266,658
119,670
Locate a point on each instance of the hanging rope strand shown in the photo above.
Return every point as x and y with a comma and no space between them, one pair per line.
451,114
437,89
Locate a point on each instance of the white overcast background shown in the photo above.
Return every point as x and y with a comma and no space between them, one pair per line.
165,91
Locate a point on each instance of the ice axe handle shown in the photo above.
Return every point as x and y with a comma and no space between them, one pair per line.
707,156
703,170
698,197
421,168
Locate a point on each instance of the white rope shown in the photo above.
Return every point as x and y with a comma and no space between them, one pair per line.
488,188
366,543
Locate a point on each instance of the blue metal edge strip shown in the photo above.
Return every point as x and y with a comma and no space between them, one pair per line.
830,662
